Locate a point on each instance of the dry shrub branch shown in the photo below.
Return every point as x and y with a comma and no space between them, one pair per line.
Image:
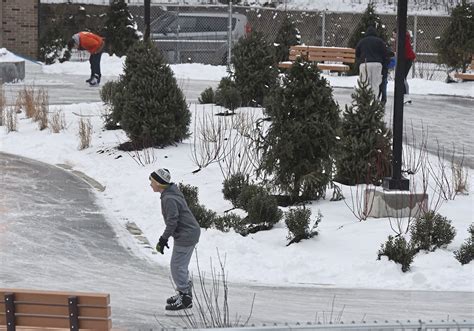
11,119
85,133
57,121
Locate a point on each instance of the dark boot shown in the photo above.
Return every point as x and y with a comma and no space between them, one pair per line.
183,301
95,80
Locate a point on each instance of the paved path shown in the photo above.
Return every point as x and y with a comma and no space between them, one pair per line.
445,120
53,236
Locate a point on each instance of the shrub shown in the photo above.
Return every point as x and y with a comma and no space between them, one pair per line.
228,221
207,96
456,45
263,208
154,108
287,36
233,187
227,95
190,194
299,146
297,221
205,217
120,28
398,250
364,153
248,192
465,254
254,70
431,231
107,92
229,98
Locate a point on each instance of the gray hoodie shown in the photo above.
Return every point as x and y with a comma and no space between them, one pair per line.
180,222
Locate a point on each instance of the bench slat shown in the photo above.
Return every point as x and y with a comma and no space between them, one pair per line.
60,298
465,76
40,309
323,49
59,322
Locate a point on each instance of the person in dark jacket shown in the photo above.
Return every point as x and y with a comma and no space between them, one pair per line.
184,228
371,54
94,44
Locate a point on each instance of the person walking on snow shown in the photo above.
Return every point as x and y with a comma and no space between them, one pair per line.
371,54
94,44
184,228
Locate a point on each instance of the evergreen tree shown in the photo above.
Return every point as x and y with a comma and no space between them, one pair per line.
254,70
364,154
154,111
119,30
298,148
456,45
287,36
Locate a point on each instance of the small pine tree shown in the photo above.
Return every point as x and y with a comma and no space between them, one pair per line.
254,70
119,30
364,153
431,231
399,251
465,253
299,145
154,111
287,36
456,45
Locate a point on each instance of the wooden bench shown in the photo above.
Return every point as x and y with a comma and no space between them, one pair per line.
467,75
30,309
327,58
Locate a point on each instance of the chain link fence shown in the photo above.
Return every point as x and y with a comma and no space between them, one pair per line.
201,33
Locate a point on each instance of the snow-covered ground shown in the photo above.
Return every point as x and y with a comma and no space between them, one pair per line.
342,255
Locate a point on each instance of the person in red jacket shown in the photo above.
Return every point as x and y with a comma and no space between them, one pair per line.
408,57
94,44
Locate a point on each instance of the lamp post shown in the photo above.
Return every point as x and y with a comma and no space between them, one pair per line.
146,35
397,181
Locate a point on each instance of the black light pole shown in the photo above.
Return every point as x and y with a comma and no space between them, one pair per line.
146,35
397,182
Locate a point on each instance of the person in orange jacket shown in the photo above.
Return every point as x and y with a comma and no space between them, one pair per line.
94,44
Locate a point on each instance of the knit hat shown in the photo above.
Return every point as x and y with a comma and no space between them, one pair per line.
161,176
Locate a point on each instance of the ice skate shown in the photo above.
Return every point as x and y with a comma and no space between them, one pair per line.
180,306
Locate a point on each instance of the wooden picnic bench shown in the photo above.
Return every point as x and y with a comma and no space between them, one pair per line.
40,310
467,75
327,58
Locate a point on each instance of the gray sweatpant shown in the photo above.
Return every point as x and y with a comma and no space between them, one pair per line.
372,73
180,259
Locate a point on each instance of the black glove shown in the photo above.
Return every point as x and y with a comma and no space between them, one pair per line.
162,243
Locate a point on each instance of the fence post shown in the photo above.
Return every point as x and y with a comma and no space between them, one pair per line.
415,33
323,29
229,36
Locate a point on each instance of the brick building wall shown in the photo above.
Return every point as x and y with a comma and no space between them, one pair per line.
19,28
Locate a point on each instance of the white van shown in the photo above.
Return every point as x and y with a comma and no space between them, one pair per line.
200,37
